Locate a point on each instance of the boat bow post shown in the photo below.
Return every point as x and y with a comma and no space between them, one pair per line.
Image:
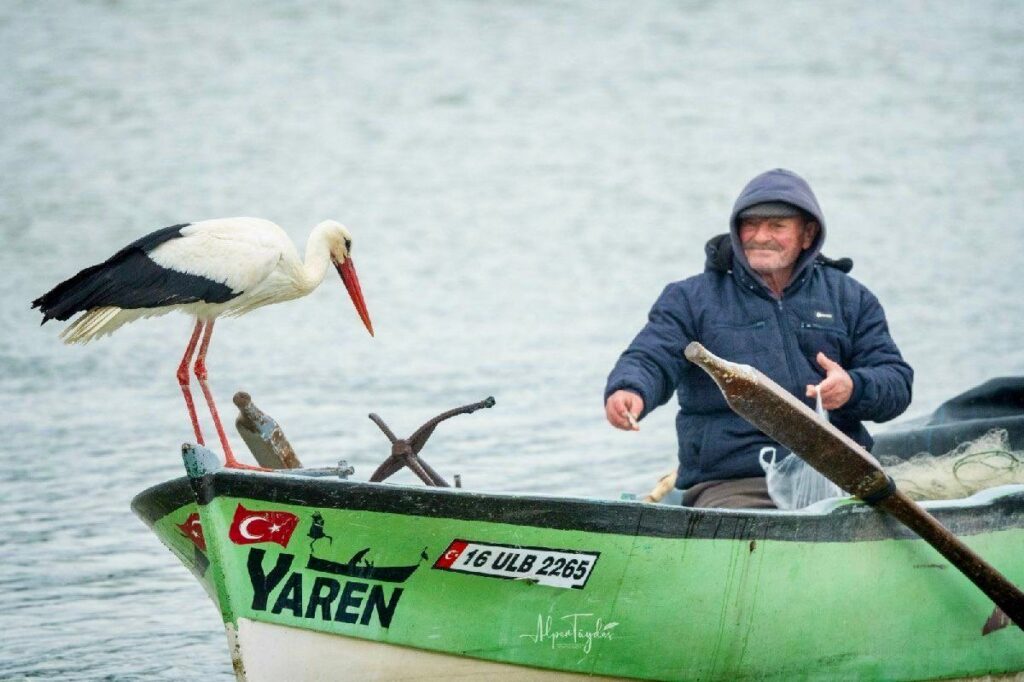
199,461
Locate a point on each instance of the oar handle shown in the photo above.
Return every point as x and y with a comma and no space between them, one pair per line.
990,581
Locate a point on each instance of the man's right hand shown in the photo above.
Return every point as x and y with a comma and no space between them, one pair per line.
618,404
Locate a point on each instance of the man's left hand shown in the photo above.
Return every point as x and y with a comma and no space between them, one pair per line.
837,386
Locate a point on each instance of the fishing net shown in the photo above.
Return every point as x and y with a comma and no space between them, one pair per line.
975,465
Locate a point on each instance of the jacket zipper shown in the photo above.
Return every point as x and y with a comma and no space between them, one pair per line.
787,351
779,318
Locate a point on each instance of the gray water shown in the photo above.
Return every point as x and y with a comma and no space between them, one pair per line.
521,180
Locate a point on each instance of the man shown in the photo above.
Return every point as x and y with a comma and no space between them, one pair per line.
767,298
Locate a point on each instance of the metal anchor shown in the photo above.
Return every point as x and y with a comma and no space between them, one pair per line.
405,451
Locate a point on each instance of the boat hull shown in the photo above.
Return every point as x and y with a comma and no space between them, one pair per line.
314,655
642,591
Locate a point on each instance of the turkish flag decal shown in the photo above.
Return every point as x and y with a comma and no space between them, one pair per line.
193,530
249,527
449,556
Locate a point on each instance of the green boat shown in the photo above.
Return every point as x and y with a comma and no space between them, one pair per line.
319,577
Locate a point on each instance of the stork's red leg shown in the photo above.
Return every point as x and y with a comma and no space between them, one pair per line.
200,370
183,380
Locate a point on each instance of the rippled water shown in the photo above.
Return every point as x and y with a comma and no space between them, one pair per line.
521,180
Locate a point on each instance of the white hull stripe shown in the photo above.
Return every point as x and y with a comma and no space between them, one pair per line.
265,652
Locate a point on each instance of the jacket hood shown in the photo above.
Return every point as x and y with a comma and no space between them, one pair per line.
778,185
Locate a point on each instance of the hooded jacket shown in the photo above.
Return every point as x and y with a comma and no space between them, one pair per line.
729,309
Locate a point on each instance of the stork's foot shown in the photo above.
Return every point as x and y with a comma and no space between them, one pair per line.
235,464
232,463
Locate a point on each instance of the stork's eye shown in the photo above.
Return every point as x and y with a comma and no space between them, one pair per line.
348,245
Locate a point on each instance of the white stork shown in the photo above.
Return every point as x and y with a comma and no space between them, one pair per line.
227,266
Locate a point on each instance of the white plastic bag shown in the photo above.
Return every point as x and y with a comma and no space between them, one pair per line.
792,482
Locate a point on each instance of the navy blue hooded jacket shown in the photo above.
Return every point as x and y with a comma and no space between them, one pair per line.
733,313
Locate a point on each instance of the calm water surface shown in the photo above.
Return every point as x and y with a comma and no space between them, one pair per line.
521,180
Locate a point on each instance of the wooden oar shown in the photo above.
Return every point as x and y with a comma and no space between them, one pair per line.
780,415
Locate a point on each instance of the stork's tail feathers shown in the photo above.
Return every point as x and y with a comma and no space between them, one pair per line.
73,295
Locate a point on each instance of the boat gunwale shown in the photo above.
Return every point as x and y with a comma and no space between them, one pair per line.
987,512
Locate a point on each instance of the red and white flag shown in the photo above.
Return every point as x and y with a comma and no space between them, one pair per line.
450,555
193,530
250,526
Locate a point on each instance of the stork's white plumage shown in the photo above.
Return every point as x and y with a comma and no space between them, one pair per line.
227,266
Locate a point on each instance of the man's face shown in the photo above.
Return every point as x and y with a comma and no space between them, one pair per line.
773,244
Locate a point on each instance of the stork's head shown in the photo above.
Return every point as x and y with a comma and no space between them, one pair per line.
339,242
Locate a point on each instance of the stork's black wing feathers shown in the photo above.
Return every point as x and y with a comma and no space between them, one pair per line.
130,279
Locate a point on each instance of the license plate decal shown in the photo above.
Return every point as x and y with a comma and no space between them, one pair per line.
563,568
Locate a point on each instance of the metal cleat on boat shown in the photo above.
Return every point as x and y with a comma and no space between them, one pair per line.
345,469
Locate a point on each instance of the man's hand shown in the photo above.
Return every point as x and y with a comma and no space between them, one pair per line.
621,409
836,388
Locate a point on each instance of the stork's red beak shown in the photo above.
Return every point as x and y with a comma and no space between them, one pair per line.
347,270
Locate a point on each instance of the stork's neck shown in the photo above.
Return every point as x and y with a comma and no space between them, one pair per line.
318,257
